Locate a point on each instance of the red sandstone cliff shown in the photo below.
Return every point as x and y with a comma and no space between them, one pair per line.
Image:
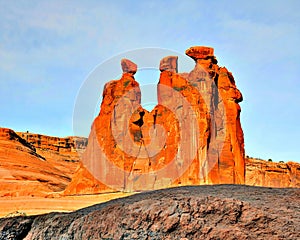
58,144
271,174
193,136
35,167
63,153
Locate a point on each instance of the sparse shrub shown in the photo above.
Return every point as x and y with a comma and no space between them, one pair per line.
270,160
179,88
281,161
16,214
126,83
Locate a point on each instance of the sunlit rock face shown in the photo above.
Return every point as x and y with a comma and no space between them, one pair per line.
36,165
193,136
271,174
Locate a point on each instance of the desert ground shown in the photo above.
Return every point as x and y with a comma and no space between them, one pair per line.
195,212
13,206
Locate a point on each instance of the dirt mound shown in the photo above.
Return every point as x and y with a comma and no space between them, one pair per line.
198,212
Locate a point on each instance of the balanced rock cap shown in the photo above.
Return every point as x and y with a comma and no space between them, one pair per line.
169,63
128,66
200,52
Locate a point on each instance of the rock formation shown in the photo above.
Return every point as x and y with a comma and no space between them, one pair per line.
57,144
193,136
38,165
63,153
272,174
199,212
35,165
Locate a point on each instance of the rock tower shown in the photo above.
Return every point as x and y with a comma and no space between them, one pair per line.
192,136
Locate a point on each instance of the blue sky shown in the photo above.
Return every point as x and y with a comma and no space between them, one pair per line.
48,48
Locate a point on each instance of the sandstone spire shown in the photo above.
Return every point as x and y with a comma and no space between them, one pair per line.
193,136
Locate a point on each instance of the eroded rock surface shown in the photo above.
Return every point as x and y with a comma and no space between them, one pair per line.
63,153
271,174
36,165
199,212
128,66
39,168
193,136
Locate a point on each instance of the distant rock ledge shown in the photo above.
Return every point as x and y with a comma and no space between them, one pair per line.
37,165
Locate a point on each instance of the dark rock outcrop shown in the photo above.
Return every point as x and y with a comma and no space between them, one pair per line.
199,212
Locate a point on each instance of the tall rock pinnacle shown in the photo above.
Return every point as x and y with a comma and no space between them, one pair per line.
193,136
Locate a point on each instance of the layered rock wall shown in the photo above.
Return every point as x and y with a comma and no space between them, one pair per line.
67,144
37,167
24,172
271,174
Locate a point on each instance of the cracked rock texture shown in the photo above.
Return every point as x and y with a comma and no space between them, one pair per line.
198,212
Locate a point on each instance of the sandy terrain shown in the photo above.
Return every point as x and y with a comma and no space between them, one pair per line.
40,205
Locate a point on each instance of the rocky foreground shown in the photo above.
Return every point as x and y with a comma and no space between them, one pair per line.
198,212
